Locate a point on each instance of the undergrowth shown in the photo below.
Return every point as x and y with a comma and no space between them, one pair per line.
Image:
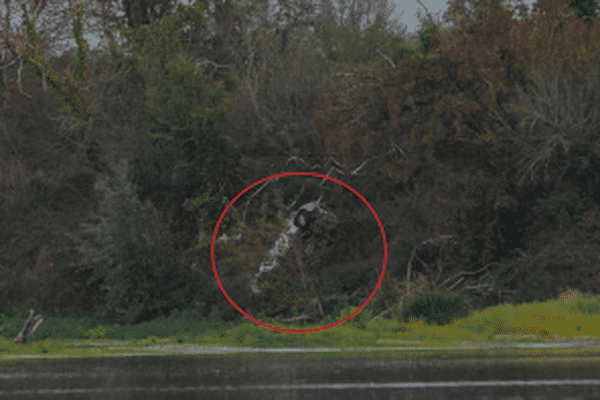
577,318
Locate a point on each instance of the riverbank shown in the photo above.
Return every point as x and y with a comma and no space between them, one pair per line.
574,321
511,349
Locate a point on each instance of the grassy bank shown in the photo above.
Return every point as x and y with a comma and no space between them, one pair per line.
577,318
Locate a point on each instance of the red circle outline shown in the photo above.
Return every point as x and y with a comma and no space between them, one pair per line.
214,238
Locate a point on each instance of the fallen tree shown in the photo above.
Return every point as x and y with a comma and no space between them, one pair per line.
304,319
32,323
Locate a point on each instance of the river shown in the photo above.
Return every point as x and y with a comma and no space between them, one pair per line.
536,371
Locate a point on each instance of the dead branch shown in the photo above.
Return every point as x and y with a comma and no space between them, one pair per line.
413,255
386,58
457,278
461,273
302,318
260,189
20,80
214,65
31,325
395,306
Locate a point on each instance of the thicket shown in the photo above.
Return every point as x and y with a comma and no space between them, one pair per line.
136,274
436,308
474,120
187,155
495,120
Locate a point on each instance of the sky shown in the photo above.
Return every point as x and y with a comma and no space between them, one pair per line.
408,7
410,10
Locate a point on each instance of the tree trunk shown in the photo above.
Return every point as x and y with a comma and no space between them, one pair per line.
31,325
319,314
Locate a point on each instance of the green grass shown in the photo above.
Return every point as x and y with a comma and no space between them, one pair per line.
578,319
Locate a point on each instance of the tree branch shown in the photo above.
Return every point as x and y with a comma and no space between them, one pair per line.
386,58
31,325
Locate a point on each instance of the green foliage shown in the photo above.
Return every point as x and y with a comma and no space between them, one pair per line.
427,38
360,320
205,204
126,260
189,155
100,332
500,4
350,48
81,67
436,308
352,280
585,167
405,52
346,283
534,288
566,208
334,304
584,8
66,90
569,207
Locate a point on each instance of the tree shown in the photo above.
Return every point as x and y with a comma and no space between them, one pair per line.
189,155
137,12
452,119
127,260
427,38
32,323
584,8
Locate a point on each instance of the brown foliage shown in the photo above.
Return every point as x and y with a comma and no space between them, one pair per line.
285,288
43,192
238,260
453,116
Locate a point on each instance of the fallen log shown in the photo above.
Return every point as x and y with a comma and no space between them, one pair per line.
31,325
302,318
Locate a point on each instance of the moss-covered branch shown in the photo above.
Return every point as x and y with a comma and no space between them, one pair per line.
66,88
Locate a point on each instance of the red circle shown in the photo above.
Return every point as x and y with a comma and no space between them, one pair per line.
214,238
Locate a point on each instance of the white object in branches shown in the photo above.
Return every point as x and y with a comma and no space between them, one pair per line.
282,243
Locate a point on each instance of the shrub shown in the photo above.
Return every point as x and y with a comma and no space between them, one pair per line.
405,52
436,308
360,320
584,8
535,288
334,304
426,38
100,332
125,259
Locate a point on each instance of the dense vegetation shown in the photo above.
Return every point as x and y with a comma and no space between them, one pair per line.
477,146
572,317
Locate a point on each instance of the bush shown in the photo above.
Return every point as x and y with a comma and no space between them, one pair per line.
436,308
584,8
426,38
125,259
360,320
334,304
533,289
100,332
405,52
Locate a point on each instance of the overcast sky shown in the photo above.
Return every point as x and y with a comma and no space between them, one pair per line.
410,10
408,7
